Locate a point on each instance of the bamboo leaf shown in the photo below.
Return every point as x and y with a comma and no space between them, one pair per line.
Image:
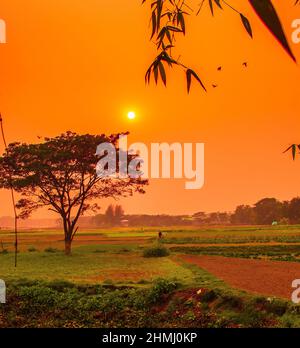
246,24
211,7
218,4
155,72
162,73
189,74
188,80
153,24
267,13
198,79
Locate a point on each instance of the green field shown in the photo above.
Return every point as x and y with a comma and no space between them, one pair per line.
116,254
107,266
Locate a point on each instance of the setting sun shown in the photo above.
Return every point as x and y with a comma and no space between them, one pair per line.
131,115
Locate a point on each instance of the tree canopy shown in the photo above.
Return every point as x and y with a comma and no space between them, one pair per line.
60,173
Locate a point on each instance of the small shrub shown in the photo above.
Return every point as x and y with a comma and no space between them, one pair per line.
249,318
289,320
60,285
156,251
124,250
276,306
51,250
161,287
38,297
24,282
32,249
98,251
108,281
143,281
209,296
230,302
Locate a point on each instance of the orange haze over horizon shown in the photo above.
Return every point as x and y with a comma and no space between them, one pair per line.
79,65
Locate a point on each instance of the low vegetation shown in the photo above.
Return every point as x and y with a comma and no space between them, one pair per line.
156,250
126,278
272,252
165,303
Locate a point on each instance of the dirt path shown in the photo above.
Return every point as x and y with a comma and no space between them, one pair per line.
271,278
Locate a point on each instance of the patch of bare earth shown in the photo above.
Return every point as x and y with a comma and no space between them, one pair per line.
57,241
270,278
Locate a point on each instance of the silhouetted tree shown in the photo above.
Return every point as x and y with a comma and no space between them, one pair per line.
268,210
110,215
119,214
285,209
293,211
200,217
244,215
99,220
60,174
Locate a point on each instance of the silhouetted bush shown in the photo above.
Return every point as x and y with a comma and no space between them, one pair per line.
51,250
156,251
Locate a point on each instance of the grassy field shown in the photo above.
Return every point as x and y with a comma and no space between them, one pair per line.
92,265
112,260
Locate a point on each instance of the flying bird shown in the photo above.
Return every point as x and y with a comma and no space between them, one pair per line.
214,86
219,68
245,64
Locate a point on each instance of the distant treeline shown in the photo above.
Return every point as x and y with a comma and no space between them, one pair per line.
268,210
265,212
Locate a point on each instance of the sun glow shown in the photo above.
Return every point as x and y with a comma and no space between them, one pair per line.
131,115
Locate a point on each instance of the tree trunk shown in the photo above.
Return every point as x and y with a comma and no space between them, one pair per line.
69,230
68,245
68,235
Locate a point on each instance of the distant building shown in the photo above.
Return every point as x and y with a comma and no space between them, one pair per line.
124,223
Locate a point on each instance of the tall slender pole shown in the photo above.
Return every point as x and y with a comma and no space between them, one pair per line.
12,196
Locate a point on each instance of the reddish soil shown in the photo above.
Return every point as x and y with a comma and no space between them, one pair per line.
57,241
271,278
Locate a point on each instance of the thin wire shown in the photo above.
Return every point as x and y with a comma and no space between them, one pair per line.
12,197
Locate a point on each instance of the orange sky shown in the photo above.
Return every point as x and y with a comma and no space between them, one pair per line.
79,65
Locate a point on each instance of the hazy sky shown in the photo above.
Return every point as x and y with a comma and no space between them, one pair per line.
79,65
